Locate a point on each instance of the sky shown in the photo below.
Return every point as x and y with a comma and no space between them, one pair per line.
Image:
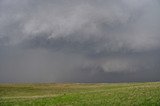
79,40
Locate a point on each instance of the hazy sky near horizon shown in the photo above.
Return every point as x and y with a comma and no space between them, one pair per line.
79,40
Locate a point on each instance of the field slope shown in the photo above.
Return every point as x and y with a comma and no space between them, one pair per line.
77,94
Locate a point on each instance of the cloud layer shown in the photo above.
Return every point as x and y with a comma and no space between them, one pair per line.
79,41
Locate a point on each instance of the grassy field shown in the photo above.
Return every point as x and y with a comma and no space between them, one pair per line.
76,94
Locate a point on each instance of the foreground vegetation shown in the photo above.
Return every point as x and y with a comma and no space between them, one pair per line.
103,94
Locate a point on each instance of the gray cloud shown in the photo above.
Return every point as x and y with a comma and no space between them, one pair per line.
79,41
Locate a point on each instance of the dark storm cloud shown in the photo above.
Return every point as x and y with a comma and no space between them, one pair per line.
79,40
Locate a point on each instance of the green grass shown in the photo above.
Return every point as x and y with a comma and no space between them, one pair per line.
98,94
